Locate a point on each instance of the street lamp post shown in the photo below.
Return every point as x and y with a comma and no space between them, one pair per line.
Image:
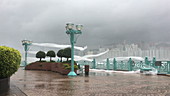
26,43
70,31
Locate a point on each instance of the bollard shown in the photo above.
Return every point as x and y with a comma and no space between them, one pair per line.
153,62
86,69
146,61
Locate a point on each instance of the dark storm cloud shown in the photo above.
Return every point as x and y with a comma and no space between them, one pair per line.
105,21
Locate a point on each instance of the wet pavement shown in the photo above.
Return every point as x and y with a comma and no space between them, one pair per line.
46,83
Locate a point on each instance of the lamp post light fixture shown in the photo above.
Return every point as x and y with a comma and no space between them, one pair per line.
72,32
26,43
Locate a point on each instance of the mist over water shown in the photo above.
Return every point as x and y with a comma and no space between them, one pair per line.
58,46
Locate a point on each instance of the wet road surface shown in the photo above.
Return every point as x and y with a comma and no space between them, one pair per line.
46,83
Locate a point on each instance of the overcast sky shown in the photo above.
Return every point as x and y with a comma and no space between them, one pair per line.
105,21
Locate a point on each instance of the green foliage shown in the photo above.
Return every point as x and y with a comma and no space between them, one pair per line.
60,53
64,53
10,60
51,54
40,54
67,53
67,66
69,62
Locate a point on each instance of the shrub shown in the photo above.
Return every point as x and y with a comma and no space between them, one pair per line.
67,66
40,54
70,62
51,54
10,60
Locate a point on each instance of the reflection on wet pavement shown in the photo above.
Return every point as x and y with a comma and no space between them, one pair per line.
45,83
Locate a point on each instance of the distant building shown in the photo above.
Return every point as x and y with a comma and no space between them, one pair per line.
124,50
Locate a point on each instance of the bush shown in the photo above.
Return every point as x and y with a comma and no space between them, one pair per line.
10,60
67,66
70,62
40,54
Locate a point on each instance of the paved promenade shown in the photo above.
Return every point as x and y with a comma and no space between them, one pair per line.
45,83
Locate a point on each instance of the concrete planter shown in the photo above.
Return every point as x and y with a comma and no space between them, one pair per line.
46,66
49,66
4,85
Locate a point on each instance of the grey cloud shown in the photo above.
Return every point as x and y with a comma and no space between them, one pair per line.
105,21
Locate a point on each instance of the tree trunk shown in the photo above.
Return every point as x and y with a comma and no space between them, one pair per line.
50,58
67,59
40,59
61,59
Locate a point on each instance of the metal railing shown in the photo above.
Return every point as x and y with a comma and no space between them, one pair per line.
129,65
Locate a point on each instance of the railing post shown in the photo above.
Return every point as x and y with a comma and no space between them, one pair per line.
121,65
146,61
141,64
153,62
130,64
114,64
108,64
168,65
94,63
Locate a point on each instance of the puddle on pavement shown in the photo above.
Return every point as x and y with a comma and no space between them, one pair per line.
51,80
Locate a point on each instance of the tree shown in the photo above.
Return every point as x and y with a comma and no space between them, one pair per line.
51,54
40,54
67,53
60,54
